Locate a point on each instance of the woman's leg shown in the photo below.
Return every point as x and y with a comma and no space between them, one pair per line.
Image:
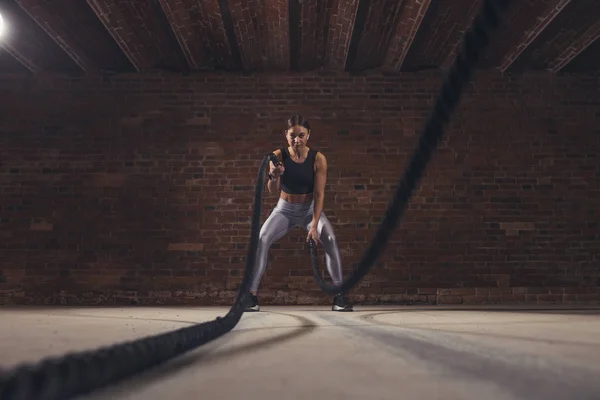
274,228
333,259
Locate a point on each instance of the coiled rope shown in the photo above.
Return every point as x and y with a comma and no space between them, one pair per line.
75,374
459,75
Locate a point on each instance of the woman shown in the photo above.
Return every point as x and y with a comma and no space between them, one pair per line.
300,178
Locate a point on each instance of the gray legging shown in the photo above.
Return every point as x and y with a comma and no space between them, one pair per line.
286,216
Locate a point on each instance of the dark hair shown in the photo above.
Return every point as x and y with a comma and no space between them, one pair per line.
298,119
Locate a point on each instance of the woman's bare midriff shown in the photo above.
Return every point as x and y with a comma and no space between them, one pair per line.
297,198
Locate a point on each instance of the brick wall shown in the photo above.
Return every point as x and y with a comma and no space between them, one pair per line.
139,189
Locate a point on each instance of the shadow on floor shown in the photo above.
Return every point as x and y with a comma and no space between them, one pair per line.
211,355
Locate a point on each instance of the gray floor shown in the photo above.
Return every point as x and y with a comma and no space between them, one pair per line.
313,353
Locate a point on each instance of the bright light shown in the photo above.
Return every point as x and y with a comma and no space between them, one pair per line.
1,25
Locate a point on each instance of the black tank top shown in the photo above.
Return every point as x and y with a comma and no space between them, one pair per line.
298,178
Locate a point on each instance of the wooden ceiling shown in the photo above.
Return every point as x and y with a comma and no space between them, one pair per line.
131,36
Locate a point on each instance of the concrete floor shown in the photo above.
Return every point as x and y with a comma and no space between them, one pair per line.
312,353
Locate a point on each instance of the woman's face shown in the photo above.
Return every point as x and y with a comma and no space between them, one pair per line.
297,136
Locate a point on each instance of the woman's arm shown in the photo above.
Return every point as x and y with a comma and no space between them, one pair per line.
319,190
274,185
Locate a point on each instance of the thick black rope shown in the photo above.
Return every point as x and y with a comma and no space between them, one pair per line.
459,75
79,373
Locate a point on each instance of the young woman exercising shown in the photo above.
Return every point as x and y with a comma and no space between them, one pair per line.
300,178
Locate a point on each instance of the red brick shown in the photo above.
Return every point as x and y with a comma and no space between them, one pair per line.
250,31
513,298
559,26
343,15
277,54
41,226
137,29
457,292
450,299
108,179
79,33
411,15
381,22
474,299
522,21
314,18
200,31
446,22
186,246
157,211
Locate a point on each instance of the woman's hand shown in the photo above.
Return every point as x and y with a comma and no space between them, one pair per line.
314,234
277,171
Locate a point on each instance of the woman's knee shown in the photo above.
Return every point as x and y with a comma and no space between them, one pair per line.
265,237
274,227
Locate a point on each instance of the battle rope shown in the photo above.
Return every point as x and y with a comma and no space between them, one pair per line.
459,75
79,373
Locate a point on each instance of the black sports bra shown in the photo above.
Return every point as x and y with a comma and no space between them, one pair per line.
298,178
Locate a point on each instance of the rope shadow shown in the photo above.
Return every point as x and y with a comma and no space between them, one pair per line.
593,310
118,317
520,376
511,337
373,322
305,327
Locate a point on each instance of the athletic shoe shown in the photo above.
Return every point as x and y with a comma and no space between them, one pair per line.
252,303
341,303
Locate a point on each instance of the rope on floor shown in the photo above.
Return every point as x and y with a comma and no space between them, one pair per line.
79,373
459,75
